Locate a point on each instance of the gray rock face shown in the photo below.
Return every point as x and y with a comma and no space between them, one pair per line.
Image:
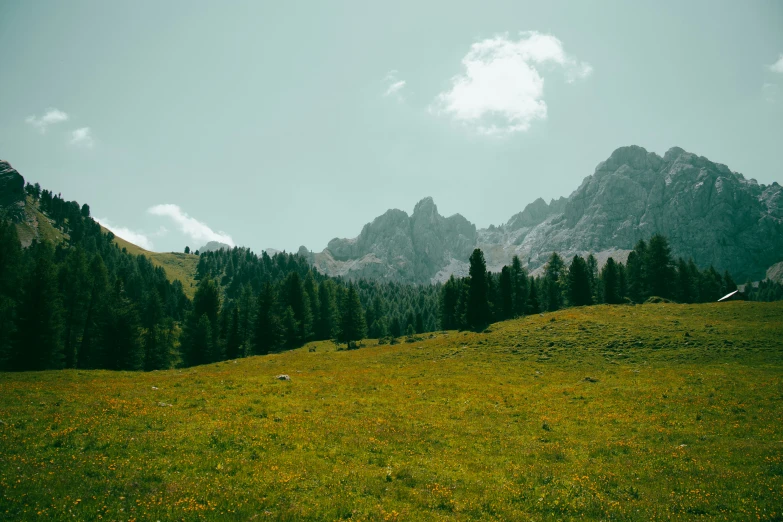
11,187
708,212
400,247
214,246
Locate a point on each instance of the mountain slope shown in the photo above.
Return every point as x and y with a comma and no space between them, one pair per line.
707,211
32,224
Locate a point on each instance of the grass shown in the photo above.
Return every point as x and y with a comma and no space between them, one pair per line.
653,412
177,265
35,225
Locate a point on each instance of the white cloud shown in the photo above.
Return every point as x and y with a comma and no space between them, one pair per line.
82,137
50,117
137,238
777,66
501,88
191,227
394,85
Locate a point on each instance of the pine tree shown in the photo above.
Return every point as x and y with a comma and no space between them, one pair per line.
233,339
326,327
519,286
448,304
39,328
10,264
636,273
506,293
202,342
121,335
268,328
533,305
478,312
74,287
353,326
91,353
610,283
579,291
659,267
553,282
156,337
592,276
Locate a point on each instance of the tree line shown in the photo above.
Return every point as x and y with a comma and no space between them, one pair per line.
83,303
475,301
252,305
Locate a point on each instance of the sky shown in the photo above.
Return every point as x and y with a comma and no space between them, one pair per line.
280,124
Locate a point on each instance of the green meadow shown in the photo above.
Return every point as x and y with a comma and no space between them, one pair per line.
652,412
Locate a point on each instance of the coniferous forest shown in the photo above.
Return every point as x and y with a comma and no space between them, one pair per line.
87,303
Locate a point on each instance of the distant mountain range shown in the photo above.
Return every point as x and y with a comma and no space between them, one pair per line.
707,211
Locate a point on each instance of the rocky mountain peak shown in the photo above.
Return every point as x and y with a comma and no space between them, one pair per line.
708,212
11,185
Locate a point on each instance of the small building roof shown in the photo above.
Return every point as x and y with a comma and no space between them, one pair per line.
727,296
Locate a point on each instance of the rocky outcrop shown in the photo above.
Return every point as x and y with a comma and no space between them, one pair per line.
12,194
708,212
400,247
214,246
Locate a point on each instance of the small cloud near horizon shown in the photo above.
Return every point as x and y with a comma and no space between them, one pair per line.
501,88
52,116
190,226
394,85
82,137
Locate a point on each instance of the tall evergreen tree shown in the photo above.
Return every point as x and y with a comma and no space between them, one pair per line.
579,291
326,327
91,353
233,339
39,328
448,304
659,267
553,282
10,267
74,287
519,286
478,311
507,293
610,282
353,326
268,328
121,335
636,272
592,276
533,306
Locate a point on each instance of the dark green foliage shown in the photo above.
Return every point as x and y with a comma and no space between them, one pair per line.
659,267
478,311
123,348
352,325
553,283
506,294
580,292
610,283
268,329
519,287
38,343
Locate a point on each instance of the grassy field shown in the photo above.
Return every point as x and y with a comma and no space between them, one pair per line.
654,412
177,265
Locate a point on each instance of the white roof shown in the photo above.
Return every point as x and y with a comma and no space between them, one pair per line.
727,296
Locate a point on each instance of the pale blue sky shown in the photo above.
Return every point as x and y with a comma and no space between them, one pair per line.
286,123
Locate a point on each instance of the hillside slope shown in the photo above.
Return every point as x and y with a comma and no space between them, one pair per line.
707,211
177,265
625,412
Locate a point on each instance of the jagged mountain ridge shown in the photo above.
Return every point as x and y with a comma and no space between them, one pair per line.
707,211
